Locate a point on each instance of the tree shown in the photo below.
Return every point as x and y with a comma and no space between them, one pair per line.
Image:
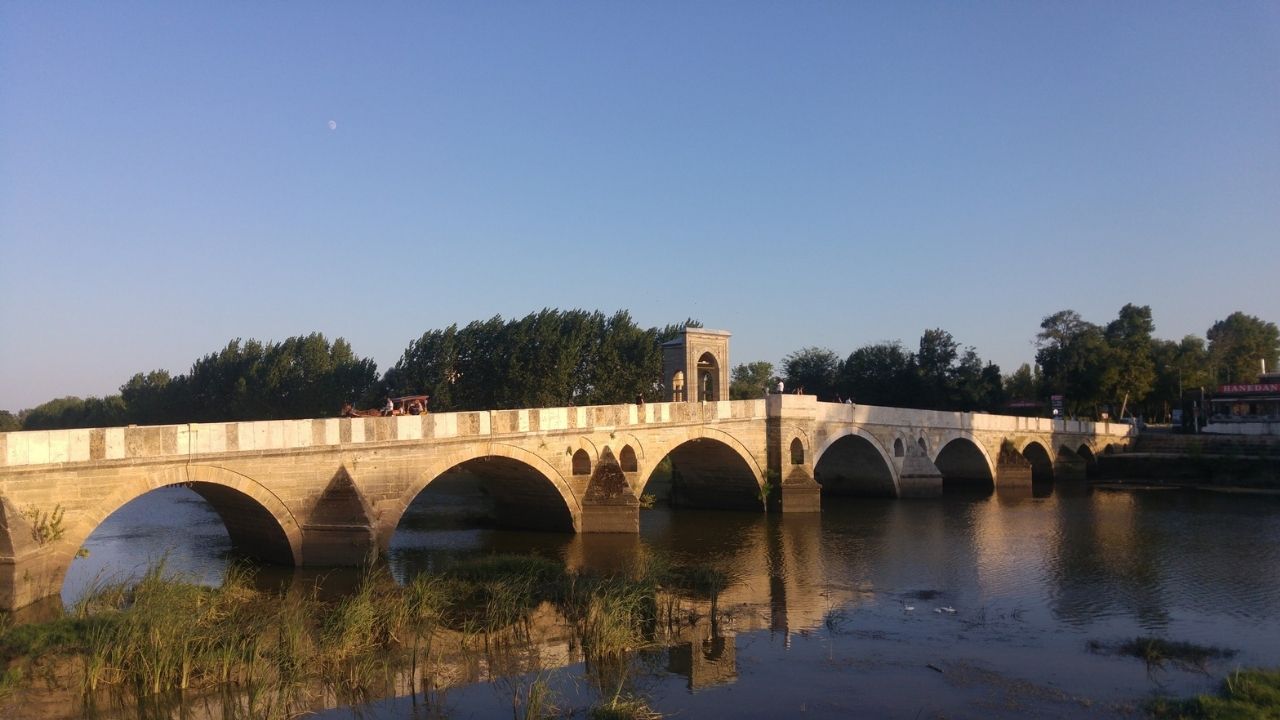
881,374
812,370
549,358
150,398
974,385
1023,384
1133,372
1238,344
9,422
751,380
938,352
74,412
1075,360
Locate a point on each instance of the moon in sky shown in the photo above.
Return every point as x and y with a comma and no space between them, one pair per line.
333,124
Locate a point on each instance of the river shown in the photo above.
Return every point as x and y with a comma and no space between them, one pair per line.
1000,605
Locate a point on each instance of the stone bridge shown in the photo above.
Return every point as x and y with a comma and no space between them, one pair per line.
332,491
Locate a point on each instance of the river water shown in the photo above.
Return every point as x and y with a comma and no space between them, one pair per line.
998,605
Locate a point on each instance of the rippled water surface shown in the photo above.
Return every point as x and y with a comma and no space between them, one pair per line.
961,606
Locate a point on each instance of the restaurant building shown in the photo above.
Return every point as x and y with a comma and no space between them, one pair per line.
1246,409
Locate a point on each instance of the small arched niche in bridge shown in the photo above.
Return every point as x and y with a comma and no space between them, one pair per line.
964,466
852,466
899,448
627,459
797,452
581,463
704,473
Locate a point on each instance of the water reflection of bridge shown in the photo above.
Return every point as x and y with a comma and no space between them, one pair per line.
778,584
1080,556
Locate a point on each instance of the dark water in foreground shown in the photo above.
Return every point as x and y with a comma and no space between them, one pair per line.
956,607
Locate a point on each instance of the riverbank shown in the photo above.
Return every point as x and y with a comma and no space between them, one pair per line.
168,643
1196,461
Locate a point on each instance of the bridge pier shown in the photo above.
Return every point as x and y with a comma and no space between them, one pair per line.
30,570
1012,469
919,477
789,463
609,505
1070,466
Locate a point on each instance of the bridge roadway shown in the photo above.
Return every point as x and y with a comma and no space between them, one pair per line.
332,491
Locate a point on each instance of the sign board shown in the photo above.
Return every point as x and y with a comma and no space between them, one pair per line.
1056,401
1241,389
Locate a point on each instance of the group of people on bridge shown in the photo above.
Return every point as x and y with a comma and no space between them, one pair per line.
407,405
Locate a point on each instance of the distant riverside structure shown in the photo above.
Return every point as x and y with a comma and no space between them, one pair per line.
332,491
1247,409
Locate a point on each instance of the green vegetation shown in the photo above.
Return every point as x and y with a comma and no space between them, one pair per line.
1157,652
1245,695
46,525
939,376
1237,343
554,358
551,358
304,376
750,381
1093,366
142,642
546,359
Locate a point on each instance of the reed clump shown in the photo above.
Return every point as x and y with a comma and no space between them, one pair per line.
144,641
1247,693
1156,652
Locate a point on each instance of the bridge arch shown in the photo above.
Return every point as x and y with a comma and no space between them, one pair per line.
1041,461
525,482
853,462
711,469
1090,460
962,460
259,524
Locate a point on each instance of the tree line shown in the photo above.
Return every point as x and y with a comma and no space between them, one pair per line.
938,375
555,358
1095,368
545,359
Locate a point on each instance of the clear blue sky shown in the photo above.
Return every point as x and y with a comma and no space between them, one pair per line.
799,173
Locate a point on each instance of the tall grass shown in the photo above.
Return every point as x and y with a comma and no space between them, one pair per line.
141,642
1245,694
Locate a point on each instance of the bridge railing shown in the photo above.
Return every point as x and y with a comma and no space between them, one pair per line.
939,419
46,447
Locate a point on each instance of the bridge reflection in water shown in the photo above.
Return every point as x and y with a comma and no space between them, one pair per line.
1062,562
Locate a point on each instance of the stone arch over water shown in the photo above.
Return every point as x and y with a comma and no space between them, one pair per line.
962,462
712,471
527,491
1041,461
855,464
258,524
